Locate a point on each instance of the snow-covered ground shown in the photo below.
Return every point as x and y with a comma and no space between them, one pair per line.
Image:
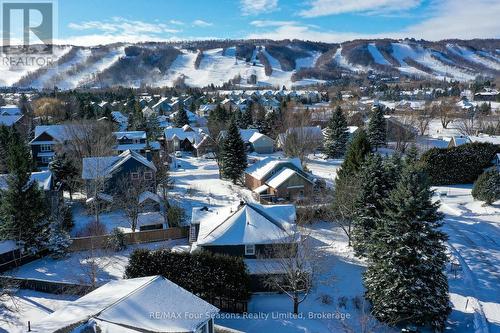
29,305
474,242
76,266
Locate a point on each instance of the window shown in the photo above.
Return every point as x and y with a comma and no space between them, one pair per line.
148,175
45,147
250,250
46,159
134,175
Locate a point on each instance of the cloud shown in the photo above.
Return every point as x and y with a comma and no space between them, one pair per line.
176,22
446,19
271,23
334,7
201,23
253,7
120,25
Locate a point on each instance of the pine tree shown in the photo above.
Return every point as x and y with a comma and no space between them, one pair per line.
233,156
405,280
181,118
356,153
58,240
23,209
373,191
153,128
377,128
336,135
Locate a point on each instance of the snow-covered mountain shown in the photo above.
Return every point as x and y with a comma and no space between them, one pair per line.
255,62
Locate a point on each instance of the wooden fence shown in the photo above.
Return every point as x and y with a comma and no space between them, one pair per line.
100,242
18,259
51,287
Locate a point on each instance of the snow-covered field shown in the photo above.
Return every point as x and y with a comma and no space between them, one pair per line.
474,242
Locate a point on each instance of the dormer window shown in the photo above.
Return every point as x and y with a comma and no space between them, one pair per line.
249,249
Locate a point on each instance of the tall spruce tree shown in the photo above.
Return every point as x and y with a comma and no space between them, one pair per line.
405,280
246,119
356,153
181,118
372,192
23,209
336,135
233,155
377,128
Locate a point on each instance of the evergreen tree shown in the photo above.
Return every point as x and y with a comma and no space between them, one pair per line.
181,118
373,190
233,155
405,280
336,135
377,128
153,128
64,171
246,119
58,240
23,209
356,153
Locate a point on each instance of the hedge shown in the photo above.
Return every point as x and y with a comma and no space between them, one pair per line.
458,165
204,274
487,187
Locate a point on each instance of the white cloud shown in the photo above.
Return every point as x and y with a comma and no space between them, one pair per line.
271,23
176,22
120,25
333,7
201,23
253,7
447,19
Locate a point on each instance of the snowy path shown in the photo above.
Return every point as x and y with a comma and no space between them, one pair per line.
474,239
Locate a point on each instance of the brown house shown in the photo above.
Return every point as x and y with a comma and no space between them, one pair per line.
272,179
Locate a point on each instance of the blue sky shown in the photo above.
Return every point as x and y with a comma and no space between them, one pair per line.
91,22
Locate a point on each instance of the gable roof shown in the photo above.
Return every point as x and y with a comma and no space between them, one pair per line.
282,176
42,178
57,132
130,135
249,224
262,168
94,167
10,110
9,120
128,303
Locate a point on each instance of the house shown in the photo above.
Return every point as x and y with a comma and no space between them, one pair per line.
146,304
183,138
10,121
162,107
458,141
135,141
249,230
44,142
10,110
261,234
490,95
205,109
110,170
254,141
120,119
147,112
273,179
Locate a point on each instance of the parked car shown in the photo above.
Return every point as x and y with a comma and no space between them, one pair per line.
178,154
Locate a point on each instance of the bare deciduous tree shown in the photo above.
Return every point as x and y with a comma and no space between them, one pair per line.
423,117
291,271
300,139
447,109
129,196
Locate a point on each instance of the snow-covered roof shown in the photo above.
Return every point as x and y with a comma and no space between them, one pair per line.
130,135
249,224
58,132
193,134
129,303
94,167
9,120
42,178
10,110
147,195
8,246
494,139
245,134
282,176
262,168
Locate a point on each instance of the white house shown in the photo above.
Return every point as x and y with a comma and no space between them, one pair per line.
132,306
